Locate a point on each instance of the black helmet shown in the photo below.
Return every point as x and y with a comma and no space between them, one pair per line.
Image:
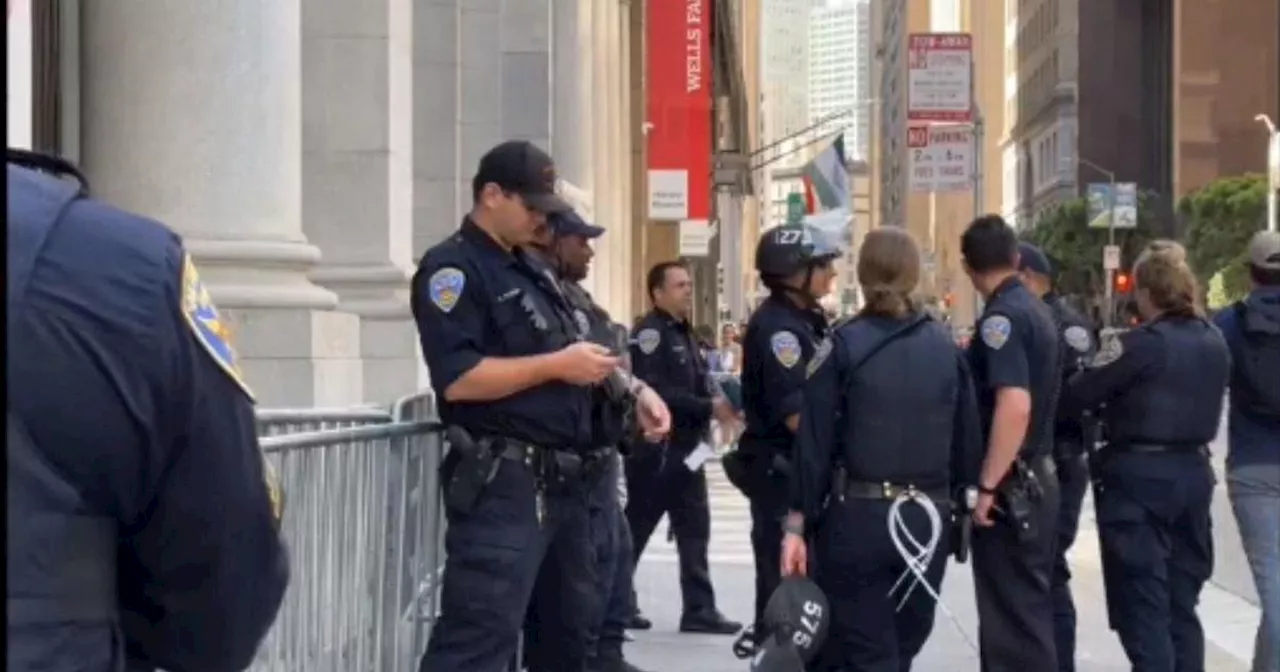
775,656
791,248
797,616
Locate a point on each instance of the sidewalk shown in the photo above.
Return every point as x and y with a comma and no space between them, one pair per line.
1229,621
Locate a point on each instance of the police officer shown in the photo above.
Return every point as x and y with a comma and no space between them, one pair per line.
514,384
888,427
1078,348
795,263
133,462
1164,385
666,479
564,244
1016,362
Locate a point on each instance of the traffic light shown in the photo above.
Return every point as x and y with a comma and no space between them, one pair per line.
1123,283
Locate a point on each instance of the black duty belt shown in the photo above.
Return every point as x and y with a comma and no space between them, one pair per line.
1158,448
891,491
556,464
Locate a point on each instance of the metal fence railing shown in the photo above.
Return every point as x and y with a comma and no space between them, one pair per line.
278,421
364,527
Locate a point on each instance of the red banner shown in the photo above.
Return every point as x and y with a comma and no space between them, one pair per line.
679,110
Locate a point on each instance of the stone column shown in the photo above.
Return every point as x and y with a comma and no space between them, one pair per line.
437,99
480,72
191,115
357,181
527,98
570,100
436,113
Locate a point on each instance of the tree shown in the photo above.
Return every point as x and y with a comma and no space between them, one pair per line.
1220,219
1076,250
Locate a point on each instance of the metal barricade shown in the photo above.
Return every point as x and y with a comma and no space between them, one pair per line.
278,421
364,525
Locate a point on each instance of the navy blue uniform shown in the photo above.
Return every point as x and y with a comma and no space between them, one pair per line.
780,340
610,536
889,408
136,486
1164,385
1078,348
1018,347
665,355
473,299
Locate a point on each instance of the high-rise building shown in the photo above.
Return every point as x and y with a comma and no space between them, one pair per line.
840,70
1038,157
784,43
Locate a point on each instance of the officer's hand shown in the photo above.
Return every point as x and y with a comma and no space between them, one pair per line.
585,363
795,555
982,513
653,414
724,413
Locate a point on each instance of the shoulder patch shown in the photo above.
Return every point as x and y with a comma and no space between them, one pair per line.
1077,338
819,357
209,329
445,287
648,340
786,348
1110,350
995,331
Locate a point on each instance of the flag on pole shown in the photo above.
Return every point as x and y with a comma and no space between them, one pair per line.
826,179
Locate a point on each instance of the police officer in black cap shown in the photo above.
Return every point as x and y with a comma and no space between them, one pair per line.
795,262
1068,443
564,243
660,481
889,429
1017,363
515,384
1164,385
141,533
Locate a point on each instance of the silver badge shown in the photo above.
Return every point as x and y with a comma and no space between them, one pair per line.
819,357
648,340
584,325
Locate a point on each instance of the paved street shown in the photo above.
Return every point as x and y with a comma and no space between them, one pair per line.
1227,605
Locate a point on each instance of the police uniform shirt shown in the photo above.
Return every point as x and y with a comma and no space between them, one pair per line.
1163,383
1018,346
473,299
665,354
1078,348
127,386
780,339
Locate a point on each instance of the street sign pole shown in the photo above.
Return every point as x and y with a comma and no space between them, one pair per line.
1108,317
978,132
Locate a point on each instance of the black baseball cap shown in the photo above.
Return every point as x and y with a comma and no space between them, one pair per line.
520,167
570,223
1032,258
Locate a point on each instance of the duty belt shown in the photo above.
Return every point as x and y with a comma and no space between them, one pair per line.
556,465
1157,448
891,491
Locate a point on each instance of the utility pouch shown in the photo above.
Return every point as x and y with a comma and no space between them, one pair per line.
475,467
1021,514
839,483
1028,482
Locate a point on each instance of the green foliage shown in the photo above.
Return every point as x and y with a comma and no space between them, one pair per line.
1220,218
1076,250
